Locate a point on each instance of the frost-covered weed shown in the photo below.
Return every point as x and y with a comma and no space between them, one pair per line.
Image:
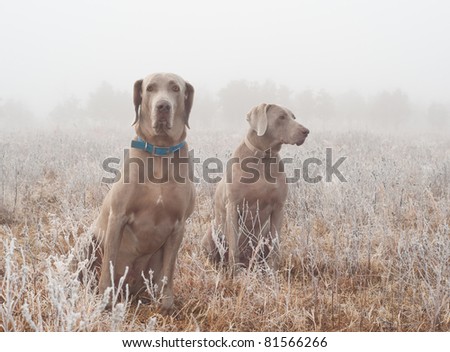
370,254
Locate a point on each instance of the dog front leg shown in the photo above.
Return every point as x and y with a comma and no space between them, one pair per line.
111,244
232,234
169,254
276,221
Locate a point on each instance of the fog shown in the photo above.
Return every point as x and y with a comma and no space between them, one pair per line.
329,60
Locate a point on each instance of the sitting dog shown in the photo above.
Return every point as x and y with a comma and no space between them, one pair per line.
249,201
141,223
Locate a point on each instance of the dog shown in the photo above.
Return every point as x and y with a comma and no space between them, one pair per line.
142,220
249,201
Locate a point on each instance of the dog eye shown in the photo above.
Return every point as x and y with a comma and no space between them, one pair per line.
150,88
176,88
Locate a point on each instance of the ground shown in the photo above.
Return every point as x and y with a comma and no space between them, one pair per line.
368,254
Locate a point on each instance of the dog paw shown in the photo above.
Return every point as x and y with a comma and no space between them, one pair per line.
166,307
165,311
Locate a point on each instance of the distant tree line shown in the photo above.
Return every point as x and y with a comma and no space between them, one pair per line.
388,110
228,107
104,104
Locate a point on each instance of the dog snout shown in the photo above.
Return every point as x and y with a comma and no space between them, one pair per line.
163,106
301,135
163,118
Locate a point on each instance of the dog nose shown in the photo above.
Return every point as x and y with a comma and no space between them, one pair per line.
305,131
163,106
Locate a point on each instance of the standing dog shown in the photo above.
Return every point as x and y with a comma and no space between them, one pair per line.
141,223
249,201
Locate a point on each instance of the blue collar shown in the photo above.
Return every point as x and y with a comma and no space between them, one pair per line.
153,149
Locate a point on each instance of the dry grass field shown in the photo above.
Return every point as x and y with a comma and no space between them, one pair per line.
369,254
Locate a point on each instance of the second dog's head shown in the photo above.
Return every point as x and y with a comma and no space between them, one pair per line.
162,102
276,124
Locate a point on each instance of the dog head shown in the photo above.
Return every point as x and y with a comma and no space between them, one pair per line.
162,102
277,124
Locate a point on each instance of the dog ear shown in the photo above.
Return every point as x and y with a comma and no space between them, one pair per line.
137,98
257,118
188,100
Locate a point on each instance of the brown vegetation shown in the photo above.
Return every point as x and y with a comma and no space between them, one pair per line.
371,254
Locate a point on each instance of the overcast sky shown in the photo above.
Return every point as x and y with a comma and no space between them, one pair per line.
51,50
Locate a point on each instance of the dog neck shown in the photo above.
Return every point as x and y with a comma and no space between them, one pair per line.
155,150
256,146
161,140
